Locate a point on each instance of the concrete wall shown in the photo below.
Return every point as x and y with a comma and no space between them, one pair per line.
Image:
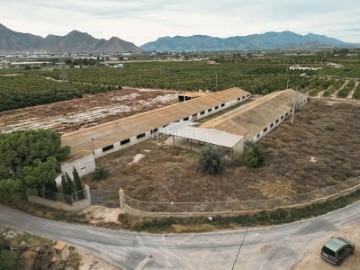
239,147
84,165
76,206
60,205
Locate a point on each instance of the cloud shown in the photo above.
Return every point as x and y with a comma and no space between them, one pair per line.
141,21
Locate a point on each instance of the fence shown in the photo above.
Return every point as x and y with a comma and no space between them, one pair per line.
60,197
144,208
76,201
108,198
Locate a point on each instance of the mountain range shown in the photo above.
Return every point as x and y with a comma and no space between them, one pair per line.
75,41
266,41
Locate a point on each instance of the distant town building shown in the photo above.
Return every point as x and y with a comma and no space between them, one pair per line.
298,67
119,66
333,65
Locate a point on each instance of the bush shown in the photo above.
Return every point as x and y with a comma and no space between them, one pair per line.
210,160
8,260
253,157
100,173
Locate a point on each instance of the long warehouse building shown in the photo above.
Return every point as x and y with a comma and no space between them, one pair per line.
91,143
256,119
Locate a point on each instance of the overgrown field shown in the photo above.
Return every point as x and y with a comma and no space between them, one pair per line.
321,149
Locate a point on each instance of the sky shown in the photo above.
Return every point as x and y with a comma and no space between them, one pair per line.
142,21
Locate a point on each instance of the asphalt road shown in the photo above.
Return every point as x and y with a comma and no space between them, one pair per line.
275,247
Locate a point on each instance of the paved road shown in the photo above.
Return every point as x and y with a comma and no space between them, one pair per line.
275,247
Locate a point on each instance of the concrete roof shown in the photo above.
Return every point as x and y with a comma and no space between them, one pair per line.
83,141
206,135
250,119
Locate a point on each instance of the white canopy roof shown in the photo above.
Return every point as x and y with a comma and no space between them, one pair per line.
206,135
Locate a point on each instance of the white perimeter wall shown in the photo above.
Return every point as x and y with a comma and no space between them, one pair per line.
239,147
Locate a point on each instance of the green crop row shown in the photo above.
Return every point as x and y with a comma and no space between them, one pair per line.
356,94
31,89
343,93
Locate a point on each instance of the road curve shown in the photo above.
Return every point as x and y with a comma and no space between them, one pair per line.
274,247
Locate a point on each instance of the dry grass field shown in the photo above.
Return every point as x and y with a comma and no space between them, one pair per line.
320,149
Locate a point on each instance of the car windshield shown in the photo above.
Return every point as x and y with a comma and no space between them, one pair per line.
328,251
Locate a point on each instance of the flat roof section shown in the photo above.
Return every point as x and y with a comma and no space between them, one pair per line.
83,142
205,135
251,118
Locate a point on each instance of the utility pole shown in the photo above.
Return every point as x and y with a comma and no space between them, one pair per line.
294,106
63,76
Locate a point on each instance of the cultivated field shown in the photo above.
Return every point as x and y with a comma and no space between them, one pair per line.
23,88
321,149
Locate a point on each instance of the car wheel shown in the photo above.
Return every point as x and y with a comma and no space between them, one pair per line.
339,262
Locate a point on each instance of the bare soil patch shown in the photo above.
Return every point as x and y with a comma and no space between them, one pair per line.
71,115
326,132
314,261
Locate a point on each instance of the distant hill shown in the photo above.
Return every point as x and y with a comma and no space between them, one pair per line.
75,41
266,41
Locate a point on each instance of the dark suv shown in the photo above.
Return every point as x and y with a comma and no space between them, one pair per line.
336,250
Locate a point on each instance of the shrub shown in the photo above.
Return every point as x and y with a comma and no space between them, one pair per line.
210,160
8,260
253,157
100,173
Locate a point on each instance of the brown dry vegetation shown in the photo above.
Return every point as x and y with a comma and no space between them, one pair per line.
328,132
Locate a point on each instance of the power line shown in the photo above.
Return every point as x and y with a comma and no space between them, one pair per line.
242,242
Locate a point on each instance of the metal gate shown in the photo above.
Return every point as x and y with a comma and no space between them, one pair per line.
108,198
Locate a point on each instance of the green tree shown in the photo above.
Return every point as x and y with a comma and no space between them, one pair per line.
52,186
210,160
70,185
64,185
39,175
253,157
28,160
9,186
78,185
20,148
